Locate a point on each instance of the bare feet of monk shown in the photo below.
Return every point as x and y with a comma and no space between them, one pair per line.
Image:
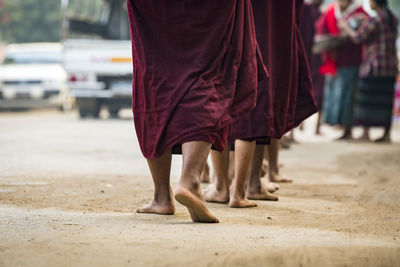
192,199
239,200
153,207
275,177
218,195
271,187
163,205
241,203
205,175
259,192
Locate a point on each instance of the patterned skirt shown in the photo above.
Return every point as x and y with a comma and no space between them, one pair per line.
375,101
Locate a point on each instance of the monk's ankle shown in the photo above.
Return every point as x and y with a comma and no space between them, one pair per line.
238,194
273,174
163,198
192,185
254,188
222,187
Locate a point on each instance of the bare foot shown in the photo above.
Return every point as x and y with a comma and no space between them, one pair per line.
277,178
345,137
362,139
271,187
212,194
241,203
162,209
385,139
197,209
237,199
260,194
205,175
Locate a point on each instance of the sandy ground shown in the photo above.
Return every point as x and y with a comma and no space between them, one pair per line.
69,190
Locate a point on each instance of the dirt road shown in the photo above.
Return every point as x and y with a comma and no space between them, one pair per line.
69,190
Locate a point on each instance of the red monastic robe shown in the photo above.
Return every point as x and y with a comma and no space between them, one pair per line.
195,70
286,99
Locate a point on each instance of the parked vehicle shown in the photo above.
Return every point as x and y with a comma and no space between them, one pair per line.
31,76
99,75
97,55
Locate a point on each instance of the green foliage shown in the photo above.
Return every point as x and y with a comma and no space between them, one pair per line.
30,21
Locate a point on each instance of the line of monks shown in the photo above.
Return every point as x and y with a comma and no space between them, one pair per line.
215,75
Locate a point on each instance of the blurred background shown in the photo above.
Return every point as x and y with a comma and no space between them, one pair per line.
73,56
65,54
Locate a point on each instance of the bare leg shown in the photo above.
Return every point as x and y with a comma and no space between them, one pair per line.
386,136
271,187
264,168
231,166
244,151
286,141
194,155
160,171
273,168
205,175
347,133
318,128
218,191
365,135
256,190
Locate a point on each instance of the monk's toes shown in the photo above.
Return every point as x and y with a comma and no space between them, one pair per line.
197,209
243,203
167,209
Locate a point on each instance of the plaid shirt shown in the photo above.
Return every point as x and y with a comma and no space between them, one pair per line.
380,57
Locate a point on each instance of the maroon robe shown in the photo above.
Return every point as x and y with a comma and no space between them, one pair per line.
309,16
286,99
195,70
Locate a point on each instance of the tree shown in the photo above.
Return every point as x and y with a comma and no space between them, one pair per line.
30,21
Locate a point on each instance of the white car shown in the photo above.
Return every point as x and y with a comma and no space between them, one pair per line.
31,76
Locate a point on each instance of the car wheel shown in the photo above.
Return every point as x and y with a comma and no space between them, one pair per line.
95,112
83,113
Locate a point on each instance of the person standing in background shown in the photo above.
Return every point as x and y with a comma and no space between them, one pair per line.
340,65
378,69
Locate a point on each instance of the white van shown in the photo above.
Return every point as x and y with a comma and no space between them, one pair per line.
31,76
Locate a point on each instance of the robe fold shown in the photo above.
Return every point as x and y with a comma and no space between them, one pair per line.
286,99
195,70
309,16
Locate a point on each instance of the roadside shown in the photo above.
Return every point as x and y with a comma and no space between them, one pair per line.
69,189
